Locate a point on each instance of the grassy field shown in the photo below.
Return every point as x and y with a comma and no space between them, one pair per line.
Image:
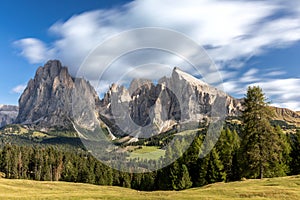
276,188
147,152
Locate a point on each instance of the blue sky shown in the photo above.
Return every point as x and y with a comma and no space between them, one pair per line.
251,42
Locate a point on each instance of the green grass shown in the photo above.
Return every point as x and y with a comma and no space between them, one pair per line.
275,188
147,152
39,134
14,129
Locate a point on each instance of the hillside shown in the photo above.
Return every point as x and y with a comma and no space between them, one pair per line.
275,188
289,116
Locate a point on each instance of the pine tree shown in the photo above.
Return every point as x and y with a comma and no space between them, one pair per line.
179,176
148,181
260,147
227,147
185,179
6,160
295,154
282,168
199,171
215,169
164,178
136,181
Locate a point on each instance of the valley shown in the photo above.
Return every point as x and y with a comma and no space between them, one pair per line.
146,137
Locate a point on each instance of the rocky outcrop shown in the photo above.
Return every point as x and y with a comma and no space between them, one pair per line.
146,109
8,114
47,100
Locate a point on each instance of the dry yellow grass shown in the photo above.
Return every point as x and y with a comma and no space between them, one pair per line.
276,188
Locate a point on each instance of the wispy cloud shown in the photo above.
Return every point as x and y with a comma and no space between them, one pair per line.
283,92
34,50
19,89
233,30
275,73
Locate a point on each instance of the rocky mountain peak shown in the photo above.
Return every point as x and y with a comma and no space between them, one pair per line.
47,100
178,74
154,108
138,83
50,70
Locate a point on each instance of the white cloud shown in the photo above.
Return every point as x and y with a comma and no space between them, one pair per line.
293,105
283,92
284,89
34,50
19,89
234,30
232,87
275,73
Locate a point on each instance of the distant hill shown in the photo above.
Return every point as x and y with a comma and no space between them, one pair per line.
287,115
8,114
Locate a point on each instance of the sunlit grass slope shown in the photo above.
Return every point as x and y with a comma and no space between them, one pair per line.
275,188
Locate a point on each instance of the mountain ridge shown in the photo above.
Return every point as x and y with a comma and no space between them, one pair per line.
46,103
287,115
175,100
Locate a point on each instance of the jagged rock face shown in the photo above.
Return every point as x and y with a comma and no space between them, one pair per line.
152,109
47,100
198,99
8,114
144,109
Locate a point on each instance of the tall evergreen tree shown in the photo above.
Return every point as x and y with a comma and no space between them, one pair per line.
227,146
199,171
261,147
179,176
281,168
215,169
295,154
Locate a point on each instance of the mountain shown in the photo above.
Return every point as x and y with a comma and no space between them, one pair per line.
53,99
46,103
287,115
8,114
146,108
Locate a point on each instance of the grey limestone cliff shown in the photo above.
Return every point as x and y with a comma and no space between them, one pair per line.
146,108
47,100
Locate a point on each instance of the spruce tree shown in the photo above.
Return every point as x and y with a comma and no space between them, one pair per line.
227,147
282,168
295,154
260,149
185,179
215,169
199,171
179,176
